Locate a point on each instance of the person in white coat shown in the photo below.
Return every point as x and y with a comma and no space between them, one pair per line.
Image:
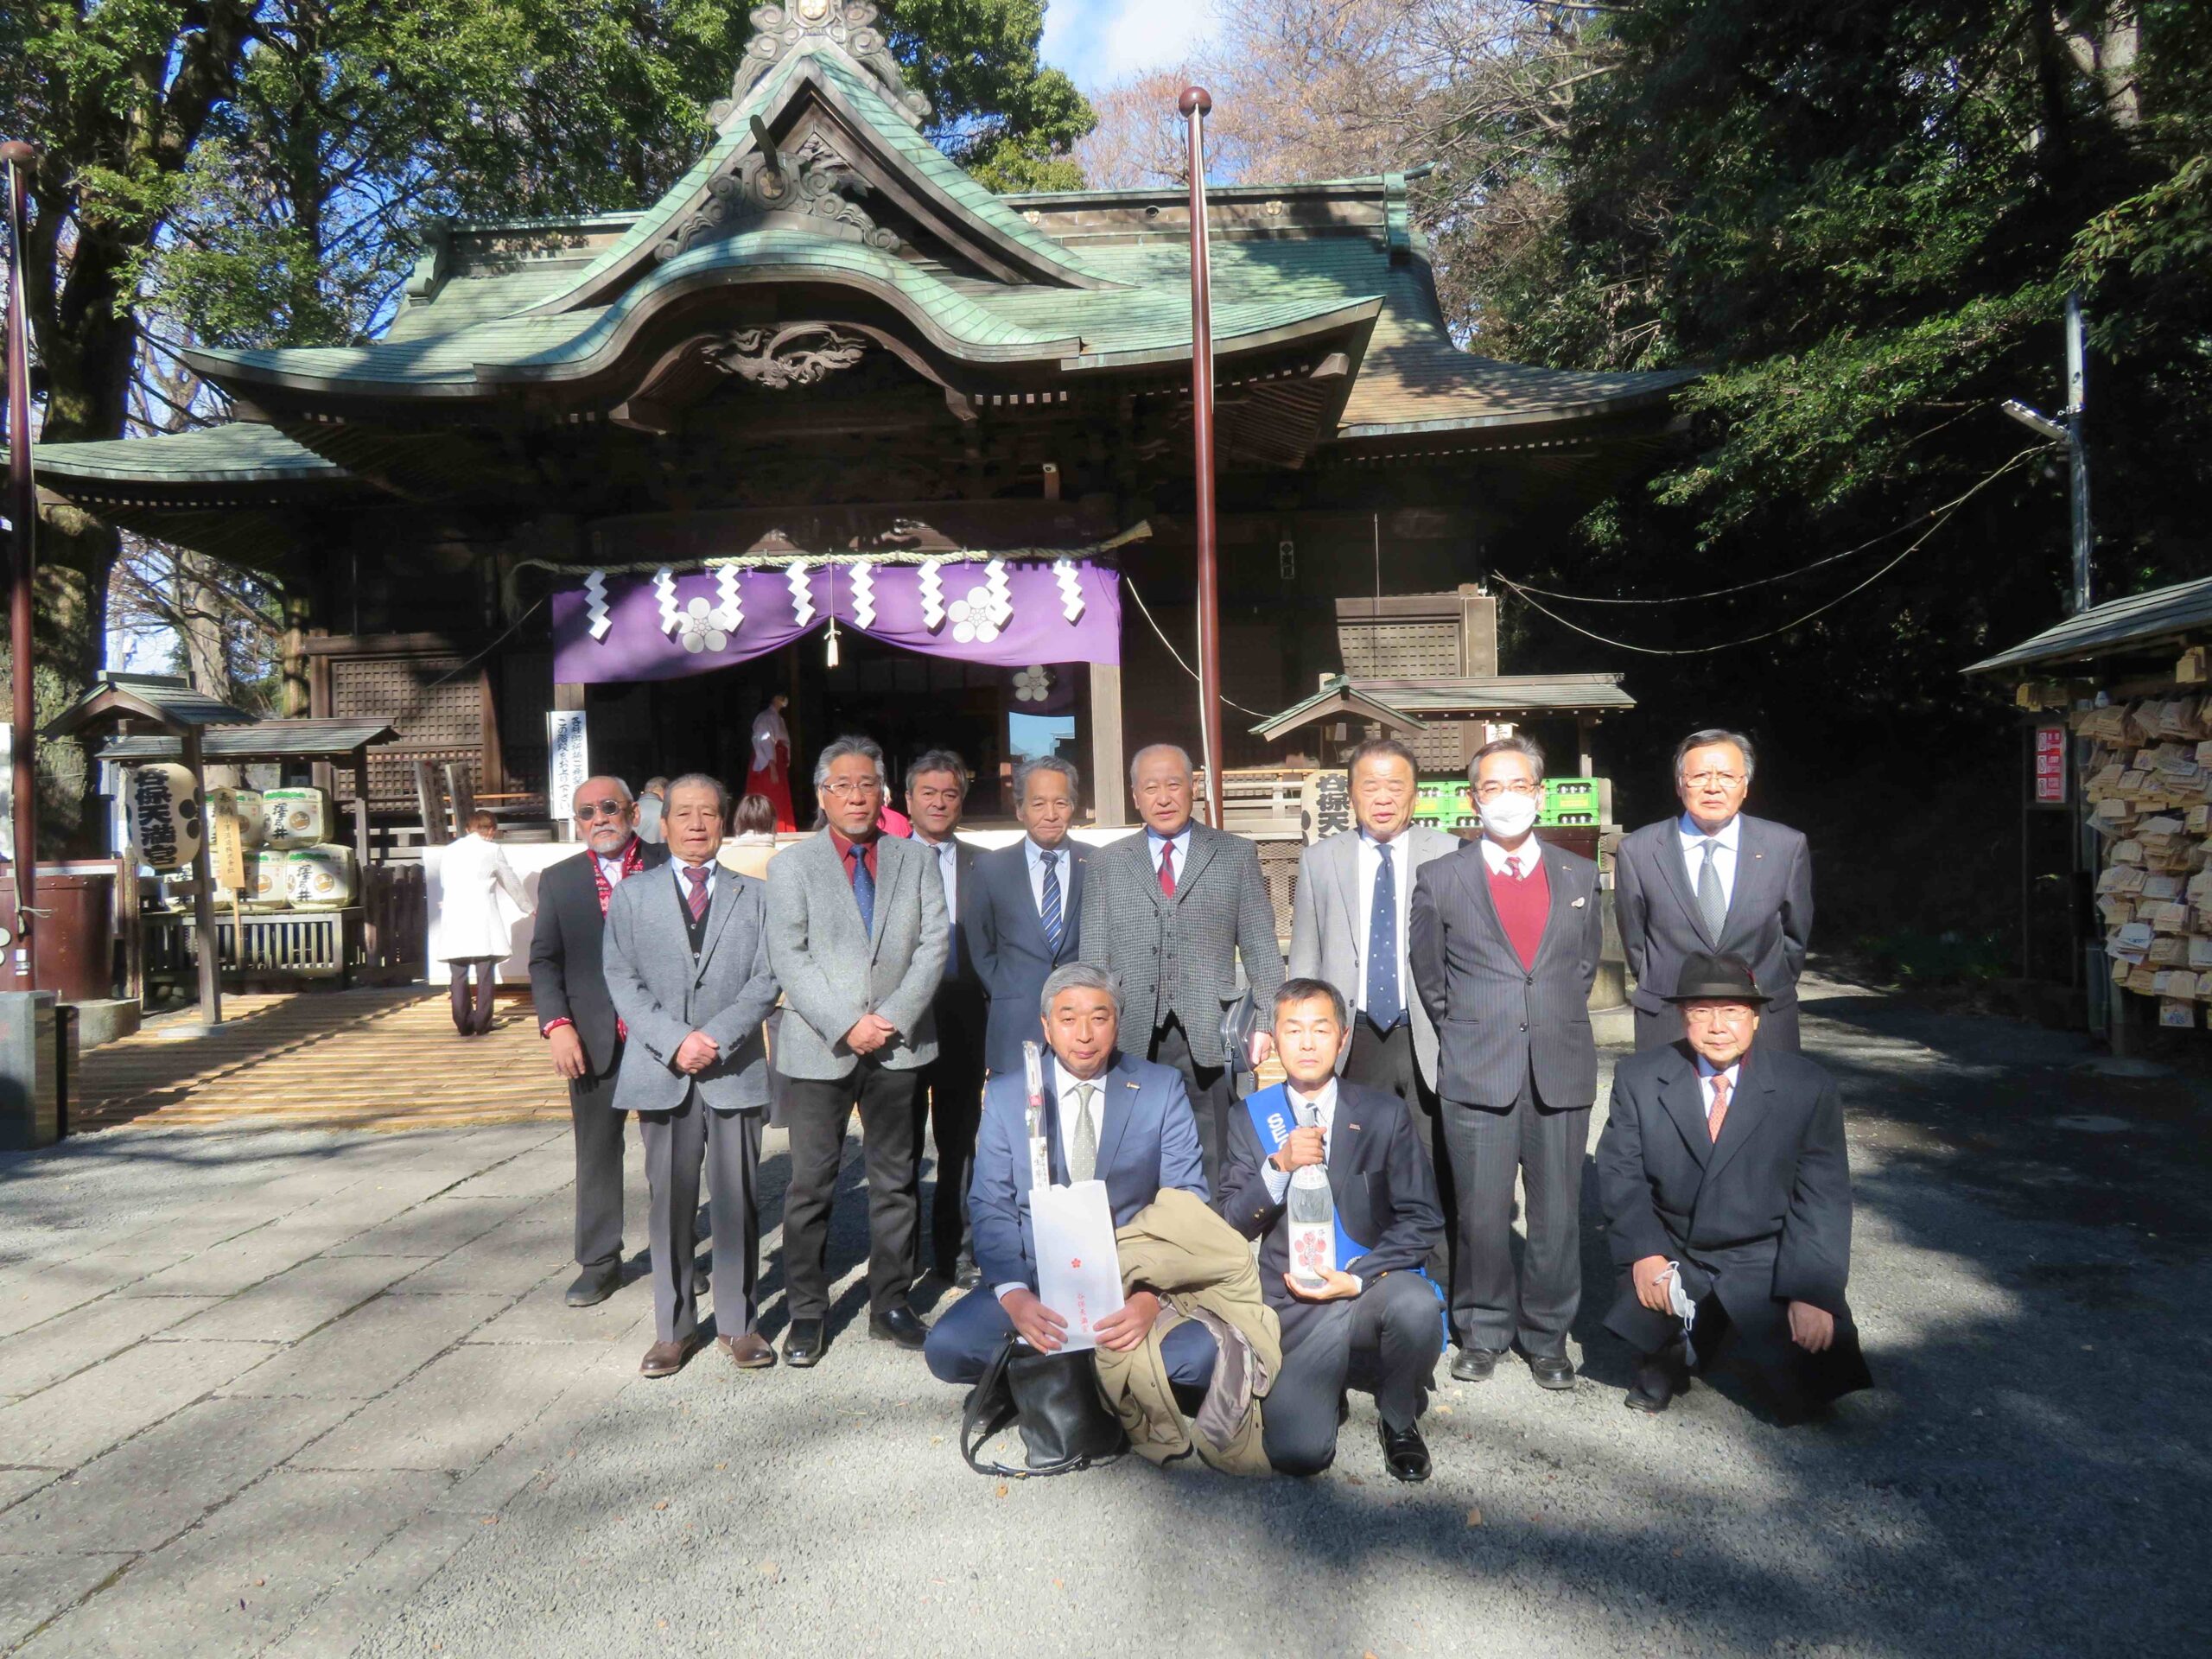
480,899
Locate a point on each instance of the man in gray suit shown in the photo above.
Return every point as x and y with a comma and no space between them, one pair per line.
687,970
1171,910
1504,938
1348,927
1715,880
858,934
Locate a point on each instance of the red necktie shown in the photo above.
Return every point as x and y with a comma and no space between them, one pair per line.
1714,1118
1168,868
698,875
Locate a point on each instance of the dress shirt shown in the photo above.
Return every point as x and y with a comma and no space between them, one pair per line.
1065,1084
1369,858
1324,1113
1706,1073
612,868
1154,840
1529,852
844,844
947,854
1035,855
1724,860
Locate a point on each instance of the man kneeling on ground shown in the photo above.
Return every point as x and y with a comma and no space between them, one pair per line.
1727,1197
1373,1321
1107,1116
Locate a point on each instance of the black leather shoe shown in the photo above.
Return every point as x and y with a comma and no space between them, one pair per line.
966,1276
804,1344
897,1324
1474,1365
1551,1370
1651,1383
1405,1454
594,1286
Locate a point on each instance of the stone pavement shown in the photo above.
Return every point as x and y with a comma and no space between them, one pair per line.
310,1392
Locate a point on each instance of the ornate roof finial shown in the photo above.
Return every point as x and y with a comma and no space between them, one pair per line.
777,31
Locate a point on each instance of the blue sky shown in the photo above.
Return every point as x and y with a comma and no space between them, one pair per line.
1099,42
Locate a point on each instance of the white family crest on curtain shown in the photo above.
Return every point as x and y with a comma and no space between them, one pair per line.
1033,685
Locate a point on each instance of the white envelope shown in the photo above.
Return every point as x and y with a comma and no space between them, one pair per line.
1078,1268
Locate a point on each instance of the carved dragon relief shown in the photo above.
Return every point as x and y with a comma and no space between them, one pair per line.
795,354
814,182
777,29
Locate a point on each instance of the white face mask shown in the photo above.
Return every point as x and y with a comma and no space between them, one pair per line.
1508,816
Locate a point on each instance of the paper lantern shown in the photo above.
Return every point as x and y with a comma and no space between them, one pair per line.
165,816
295,818
320,878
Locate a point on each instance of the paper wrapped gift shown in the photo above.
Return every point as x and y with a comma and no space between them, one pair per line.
320,878
1078,1268
164,812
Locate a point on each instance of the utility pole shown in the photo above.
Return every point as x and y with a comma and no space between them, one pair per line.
1194,104
18,158
2069,430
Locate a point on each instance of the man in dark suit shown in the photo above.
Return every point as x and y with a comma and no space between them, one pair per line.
1108,1117
1727,1196
1714,880
577,1019
949,1091
1025,905
687,966
1503,941
1171,910
1374,1320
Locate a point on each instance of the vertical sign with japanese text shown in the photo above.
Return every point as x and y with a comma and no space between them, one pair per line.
567,762
2050,765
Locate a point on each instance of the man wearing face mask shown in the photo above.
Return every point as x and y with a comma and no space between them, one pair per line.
1503,939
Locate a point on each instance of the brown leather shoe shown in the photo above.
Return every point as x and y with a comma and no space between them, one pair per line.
749,1352
666,1358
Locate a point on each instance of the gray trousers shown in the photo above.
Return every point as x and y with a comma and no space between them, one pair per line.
677,1144
599,1170
1487,1148
1383,1341
1777,1028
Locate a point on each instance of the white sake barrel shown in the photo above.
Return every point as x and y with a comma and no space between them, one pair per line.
320,878
295,818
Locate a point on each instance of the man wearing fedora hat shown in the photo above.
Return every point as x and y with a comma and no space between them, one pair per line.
1728,1198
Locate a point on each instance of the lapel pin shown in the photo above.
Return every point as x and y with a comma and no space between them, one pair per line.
1577,905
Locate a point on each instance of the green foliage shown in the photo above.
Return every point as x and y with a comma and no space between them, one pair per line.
998,112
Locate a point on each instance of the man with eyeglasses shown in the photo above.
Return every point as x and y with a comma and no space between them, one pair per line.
1502,940
1714,880
576,1017
858,934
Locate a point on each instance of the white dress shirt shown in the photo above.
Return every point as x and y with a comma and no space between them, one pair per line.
1368,859
1065,1084
1724,860
948,868
1035,855
1707,1072
610,867
1154,842
1500,859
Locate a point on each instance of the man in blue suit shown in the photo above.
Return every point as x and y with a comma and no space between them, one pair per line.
1108,1117
1020,912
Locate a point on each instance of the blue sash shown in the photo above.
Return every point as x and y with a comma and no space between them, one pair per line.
1272,1119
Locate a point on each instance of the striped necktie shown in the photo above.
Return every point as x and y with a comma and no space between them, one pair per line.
1049,906
698,875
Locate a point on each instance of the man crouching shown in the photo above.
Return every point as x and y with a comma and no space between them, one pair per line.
1727,1197
1372,1321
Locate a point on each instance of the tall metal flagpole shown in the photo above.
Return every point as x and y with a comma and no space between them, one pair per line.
1194,104
22,512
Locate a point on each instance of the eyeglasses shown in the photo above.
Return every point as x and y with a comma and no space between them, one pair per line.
1490,791
1727,1015
846,790
587,811
1714,779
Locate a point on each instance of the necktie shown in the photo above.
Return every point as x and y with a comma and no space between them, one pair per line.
1049,911
1385,1004
1083,1142
1712,903
1168,868
863,889
1719,1112
698,875
1513,866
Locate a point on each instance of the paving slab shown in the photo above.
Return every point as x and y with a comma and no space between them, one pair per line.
540,1451
239,1262
287,1306
247,1576
33,1589
378,1587
528,1247
547,1169
69,1423
456,1411
143,1493
39,1297
18,1483
380,1343
370,1203
44,1355
544,1315
436,1227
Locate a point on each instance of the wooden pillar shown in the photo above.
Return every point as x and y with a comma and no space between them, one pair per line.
203,900
361,808
1109,795
131,919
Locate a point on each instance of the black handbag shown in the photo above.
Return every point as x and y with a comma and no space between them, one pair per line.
1054,1399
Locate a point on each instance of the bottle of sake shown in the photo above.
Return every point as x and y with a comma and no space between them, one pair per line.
1313,1216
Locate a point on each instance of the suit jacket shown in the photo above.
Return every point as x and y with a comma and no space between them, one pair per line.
1770,909
1148,1140
1327,920
567,980
1385,1196
1006,938
958,976
665,993
1762,1216
1499,1024
833,972
1178,956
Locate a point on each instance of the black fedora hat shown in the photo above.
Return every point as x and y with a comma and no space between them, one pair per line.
1718,979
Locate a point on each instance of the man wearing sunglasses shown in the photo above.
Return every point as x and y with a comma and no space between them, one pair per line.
576,1017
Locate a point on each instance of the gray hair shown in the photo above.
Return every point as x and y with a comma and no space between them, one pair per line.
1080,976
621,788
1175,749
1295,991
937,760
866,747
1528,747
1710,736
700,780
1029,769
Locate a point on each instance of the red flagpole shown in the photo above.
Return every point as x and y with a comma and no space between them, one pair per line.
22,511
1194,104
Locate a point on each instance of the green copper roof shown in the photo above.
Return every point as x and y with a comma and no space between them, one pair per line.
240,453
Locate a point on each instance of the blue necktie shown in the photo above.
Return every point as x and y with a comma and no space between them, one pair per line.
1050,909
863,889
1385,1004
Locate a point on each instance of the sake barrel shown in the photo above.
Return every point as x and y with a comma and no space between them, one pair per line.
247,807
320,878
165,815
295,818
266,879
